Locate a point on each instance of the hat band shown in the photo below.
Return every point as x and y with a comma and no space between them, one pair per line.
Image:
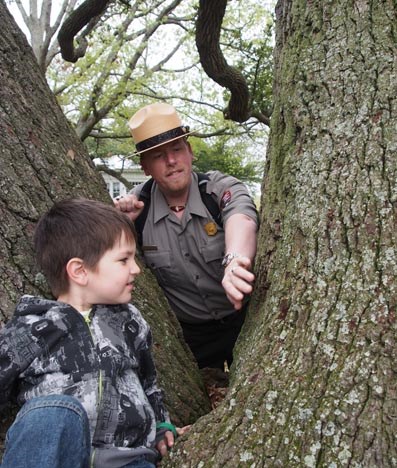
159,139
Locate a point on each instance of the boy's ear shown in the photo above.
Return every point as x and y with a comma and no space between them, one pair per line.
76,270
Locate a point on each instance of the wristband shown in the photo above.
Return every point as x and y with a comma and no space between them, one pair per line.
167,425
228,258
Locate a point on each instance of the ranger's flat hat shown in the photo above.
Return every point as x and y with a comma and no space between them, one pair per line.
154,125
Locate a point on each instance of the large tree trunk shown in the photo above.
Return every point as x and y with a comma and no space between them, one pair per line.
314,381
42,160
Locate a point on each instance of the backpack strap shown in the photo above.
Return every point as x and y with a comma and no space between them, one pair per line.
207,198
145,196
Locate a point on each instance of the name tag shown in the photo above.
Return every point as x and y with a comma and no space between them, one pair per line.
145,248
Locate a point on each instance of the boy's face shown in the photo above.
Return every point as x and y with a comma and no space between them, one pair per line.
112,280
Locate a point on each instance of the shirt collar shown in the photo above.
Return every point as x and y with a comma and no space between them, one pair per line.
160,206
195,204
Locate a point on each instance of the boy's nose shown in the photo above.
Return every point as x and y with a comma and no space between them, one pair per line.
135,270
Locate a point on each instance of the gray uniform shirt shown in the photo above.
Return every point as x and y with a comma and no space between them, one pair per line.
186,254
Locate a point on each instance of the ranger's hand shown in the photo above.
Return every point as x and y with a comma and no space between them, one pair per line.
237,280
130,205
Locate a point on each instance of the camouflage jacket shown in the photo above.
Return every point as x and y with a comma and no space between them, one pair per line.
104,361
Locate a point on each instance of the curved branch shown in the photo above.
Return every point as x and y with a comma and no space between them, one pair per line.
75,22
261,117
116,174
208,28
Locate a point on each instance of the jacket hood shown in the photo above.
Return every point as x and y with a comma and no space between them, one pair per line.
34,305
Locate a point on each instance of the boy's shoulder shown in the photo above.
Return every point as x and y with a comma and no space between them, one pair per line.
29,304
33,316
36,307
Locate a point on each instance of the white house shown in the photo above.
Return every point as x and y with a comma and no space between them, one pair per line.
130,171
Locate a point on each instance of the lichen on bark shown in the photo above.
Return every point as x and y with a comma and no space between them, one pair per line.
314,379
41,161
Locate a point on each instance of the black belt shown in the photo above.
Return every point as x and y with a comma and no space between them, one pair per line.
230,317
223,320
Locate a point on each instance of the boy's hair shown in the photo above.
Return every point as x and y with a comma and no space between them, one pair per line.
77,228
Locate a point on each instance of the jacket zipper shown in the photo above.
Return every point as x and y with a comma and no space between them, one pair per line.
88,320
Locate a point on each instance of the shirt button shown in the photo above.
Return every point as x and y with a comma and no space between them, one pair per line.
187,254
197,277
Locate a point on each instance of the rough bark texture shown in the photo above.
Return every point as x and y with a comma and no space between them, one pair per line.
314,381
42,160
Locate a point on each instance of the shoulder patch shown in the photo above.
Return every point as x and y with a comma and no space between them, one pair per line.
226,198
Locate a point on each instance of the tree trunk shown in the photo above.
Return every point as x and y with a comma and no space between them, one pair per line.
42,160
314,379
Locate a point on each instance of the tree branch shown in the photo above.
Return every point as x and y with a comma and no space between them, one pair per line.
116,174
208,27
75,23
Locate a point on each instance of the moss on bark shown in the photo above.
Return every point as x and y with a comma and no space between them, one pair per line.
314,379
41,161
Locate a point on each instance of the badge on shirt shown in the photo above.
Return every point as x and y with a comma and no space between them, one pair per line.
210,228
226,198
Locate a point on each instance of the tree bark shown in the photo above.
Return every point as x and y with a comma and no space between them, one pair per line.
314,378
43,160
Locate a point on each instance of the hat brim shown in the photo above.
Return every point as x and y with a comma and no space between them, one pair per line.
139,153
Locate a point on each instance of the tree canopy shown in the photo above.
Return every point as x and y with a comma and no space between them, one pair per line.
141,52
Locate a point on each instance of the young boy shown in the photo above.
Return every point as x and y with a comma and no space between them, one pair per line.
82,365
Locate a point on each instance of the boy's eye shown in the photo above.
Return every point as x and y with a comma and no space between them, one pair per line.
124,261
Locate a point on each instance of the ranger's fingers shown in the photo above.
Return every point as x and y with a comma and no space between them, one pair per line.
139,204
129,204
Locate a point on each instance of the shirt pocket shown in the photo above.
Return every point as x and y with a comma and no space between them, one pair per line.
213,252
162,267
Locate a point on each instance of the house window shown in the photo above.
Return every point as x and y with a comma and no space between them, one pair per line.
116,189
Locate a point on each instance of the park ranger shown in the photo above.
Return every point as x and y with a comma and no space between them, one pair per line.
198,235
